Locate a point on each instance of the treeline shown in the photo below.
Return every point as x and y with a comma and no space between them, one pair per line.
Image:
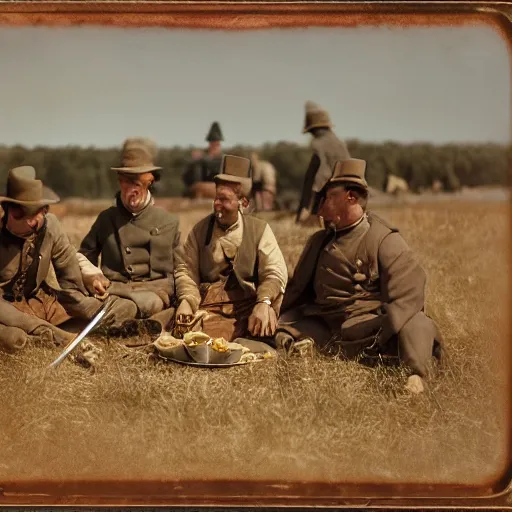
78,171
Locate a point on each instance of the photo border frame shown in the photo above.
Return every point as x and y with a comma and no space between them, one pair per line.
253,15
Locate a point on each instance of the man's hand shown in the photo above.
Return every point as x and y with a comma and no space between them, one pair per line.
263,320
51,335
100,285
184,309
304,214
96,284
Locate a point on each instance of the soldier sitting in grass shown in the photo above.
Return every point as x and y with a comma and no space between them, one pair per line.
357,288
231,267
136,242
31,239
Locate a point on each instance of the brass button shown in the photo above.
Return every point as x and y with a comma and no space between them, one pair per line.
359,277
154,231
128,250
129,268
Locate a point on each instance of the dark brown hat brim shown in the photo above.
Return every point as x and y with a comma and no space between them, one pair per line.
49,197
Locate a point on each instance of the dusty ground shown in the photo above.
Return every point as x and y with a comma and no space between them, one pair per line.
288,419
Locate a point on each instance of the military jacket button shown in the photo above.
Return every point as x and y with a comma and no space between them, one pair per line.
128,250
129,269
359,277
154,231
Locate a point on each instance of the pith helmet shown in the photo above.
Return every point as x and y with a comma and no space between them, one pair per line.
236,169
25,190
316,117
215,133
138,156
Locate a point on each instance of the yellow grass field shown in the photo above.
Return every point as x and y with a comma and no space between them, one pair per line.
290,419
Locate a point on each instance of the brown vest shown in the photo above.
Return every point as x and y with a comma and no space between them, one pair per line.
245,263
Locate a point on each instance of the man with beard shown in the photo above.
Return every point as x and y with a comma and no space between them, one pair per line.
327,149
357,288
30,240
136,242
231,269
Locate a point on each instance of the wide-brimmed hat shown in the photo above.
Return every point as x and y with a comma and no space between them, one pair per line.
215,133
236,169
25,190
350,171
316,117
138,156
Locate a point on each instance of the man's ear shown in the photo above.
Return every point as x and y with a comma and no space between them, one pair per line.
244,202
351,196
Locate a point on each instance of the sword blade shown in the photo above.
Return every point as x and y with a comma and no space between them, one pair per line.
90,326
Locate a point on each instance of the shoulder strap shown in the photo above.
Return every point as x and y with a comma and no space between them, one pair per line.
209,231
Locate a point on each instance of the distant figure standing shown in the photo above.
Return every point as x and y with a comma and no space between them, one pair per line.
193,172
208,166
395,185
327,149
264,183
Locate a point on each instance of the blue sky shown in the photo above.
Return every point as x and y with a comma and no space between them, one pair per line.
98,85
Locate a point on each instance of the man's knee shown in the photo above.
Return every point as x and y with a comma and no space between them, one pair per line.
120,311
84,309
12,339
148,303
419,323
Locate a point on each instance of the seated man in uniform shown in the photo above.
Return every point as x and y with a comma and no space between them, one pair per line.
136,242
231,267
357,287
30,240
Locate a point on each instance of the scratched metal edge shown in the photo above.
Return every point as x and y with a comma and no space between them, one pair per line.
495,496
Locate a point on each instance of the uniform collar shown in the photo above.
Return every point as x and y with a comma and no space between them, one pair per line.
350,227
148,202
233,227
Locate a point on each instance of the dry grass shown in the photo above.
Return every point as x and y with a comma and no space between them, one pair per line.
314,419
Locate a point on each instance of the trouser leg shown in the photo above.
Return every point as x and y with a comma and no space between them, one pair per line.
416,343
